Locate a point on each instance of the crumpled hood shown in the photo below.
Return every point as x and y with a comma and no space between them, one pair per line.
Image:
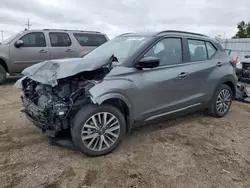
48,72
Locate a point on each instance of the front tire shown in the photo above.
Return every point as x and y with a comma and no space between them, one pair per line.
2,75
221,101
98,130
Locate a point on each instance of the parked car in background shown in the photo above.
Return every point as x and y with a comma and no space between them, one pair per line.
133,79
33,46
243,69
242,65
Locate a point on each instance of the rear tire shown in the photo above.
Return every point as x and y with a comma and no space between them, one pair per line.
221,101
2,75
91,136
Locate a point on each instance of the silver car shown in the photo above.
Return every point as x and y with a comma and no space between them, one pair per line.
33,46
131,80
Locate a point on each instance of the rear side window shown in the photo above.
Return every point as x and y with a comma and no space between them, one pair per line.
210,50
86,39
36,39
59,39
197,50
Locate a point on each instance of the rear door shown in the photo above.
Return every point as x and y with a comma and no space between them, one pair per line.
61,46
88,42
202,67
34,50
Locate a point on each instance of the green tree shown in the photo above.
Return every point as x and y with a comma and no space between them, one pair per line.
243,30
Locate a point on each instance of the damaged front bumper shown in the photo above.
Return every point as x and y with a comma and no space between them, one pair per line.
33,120
52,92
37,116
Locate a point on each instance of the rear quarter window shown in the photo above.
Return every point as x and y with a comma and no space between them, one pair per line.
211,50
86,39
218,45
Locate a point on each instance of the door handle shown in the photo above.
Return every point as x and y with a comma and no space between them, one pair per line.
69,50
43,51
183,75
219,64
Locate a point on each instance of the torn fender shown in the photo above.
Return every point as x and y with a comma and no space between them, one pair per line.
112,90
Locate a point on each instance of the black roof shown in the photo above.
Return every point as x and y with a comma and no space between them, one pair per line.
181,32
161,33
138,34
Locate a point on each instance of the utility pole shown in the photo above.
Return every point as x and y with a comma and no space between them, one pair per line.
28,24
2,34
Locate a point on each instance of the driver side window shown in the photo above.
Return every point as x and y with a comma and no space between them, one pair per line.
158,47
35,39
168,50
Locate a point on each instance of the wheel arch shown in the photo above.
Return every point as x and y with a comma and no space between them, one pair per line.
231,85
4,64
229,81
121,103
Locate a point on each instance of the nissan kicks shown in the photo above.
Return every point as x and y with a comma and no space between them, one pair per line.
131,80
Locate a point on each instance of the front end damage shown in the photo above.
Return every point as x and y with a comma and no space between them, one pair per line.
53,107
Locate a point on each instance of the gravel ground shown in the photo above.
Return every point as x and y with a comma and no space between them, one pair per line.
192,151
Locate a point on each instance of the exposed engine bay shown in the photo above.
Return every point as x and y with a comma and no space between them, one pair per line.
52,108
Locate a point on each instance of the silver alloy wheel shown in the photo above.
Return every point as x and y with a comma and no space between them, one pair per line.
223,101
100,131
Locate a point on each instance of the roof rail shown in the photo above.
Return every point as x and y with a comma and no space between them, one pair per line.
88,31
72,30
184,32
123,34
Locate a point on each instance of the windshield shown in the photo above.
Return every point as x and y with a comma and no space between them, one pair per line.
8,40
121,47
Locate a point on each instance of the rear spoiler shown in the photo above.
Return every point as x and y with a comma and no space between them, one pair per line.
233,61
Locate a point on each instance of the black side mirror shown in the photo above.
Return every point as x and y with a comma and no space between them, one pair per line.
247,56
148,62
19,44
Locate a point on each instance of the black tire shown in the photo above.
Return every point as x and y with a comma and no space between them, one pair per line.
83,116
2,75
213,109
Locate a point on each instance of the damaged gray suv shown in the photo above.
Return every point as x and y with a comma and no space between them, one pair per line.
133,79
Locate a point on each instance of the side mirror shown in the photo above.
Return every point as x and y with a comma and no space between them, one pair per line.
19,44
247,56
148,62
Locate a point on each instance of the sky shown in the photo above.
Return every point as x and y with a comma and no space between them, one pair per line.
113,17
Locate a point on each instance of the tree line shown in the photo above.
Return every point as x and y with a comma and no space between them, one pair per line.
243,30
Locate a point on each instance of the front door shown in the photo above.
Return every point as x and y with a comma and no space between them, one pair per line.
168,88
33,51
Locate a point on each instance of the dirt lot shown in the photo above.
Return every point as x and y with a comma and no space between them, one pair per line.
193,151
